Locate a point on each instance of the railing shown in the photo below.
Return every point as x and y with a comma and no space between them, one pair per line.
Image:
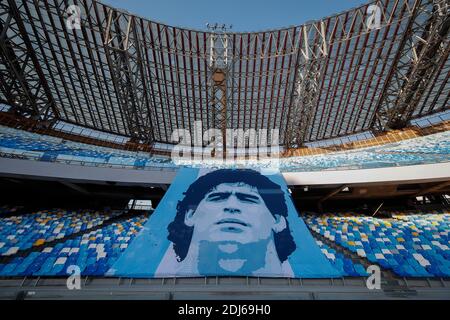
30,156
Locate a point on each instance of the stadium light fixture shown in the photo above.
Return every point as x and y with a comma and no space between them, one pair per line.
221,27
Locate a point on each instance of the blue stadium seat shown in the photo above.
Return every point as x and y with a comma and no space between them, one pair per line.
407,244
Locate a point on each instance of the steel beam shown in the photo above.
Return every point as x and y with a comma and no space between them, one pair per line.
24,85
125,58
309,71
425,43
127,75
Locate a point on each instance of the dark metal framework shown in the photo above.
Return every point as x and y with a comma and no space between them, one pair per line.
123,74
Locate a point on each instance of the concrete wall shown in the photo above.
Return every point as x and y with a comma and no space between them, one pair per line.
413,174
78,173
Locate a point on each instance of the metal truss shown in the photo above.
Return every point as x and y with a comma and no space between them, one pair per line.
125,59
307,85
422,53
119,73
220,62
23,85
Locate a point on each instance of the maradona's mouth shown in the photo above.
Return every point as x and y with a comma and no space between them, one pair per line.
233,221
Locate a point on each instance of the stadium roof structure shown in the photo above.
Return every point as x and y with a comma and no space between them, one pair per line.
374,67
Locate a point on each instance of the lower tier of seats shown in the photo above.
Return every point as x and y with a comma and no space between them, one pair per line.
407,245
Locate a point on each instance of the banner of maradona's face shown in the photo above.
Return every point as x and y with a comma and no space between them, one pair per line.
227,222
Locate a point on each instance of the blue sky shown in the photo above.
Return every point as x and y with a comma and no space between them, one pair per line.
244,15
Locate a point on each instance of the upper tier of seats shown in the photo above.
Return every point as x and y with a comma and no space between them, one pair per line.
410,245
47,148
24,231
433,148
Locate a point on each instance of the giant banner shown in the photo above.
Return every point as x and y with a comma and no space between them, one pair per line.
226,222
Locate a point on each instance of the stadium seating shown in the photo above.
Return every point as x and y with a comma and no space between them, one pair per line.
93,252
409,245
342,263
24,231
47,148
433,148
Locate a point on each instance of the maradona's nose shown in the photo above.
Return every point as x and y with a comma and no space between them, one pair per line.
231,206
232,210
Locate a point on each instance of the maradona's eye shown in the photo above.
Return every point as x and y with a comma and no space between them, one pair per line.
218,196
248,198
